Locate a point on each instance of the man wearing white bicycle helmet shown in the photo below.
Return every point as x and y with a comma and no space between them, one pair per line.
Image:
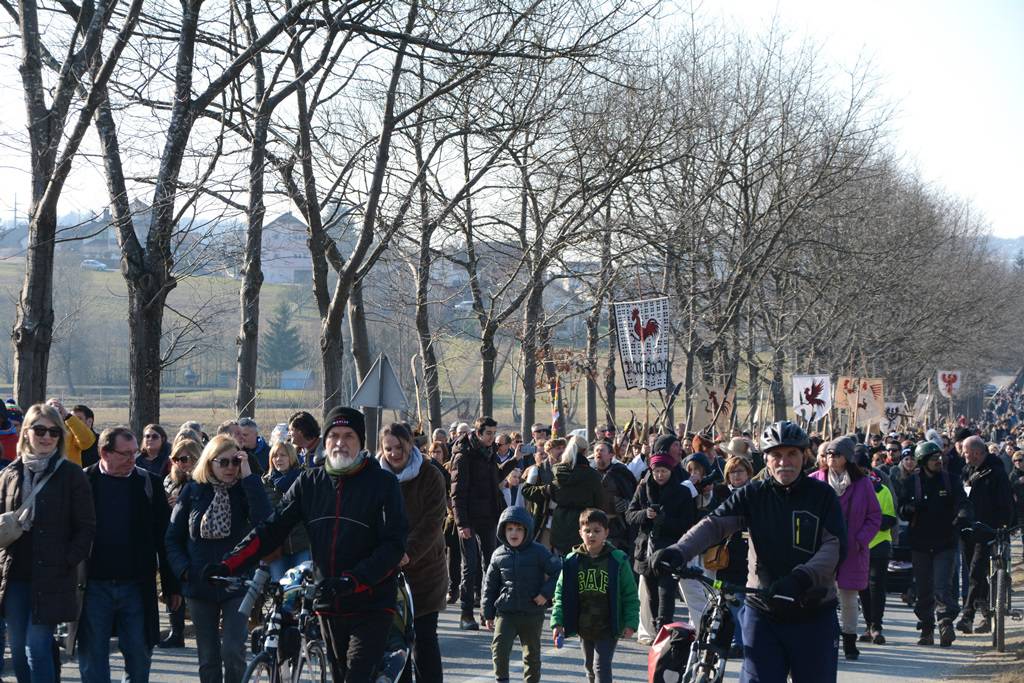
797,538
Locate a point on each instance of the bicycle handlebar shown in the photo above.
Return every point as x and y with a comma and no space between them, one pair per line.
725,587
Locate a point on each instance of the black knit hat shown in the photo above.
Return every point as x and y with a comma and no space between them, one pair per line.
663,444
962,433
343,416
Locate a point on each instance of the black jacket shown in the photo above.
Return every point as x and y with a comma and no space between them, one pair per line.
678,513
934,507
990,494
517,575
619,487
150,515
356,525
476,500
1017,488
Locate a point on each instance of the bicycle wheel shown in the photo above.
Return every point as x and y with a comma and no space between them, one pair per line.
261,670
1002,589
312,666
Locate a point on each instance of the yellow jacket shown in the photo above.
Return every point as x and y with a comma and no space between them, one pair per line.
80,438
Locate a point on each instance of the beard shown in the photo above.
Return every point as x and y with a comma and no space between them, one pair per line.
340,461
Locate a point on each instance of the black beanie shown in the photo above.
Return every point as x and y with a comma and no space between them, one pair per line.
664,443
343,416
962,433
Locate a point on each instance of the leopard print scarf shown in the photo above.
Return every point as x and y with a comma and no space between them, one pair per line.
216,521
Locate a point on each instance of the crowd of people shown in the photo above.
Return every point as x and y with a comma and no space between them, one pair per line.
586,532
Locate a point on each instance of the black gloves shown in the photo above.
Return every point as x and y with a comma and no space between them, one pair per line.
330,590
666,561
212,570
790,588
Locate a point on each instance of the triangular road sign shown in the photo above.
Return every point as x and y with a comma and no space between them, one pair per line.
380,388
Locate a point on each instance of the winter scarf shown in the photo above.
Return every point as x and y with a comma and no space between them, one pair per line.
411,469
283,481
35,465
839,482
216,521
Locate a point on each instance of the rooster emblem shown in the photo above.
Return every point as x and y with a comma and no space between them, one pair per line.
949,379
645,331
812,396
876,392
712,404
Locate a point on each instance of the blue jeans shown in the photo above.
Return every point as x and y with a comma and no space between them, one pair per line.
737,611
935,581
282,564
31,643
808,650
597,659
108,603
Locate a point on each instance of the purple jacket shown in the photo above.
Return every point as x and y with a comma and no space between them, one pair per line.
863,517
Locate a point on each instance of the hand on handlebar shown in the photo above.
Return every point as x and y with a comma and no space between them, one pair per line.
331,589
214,571
789,588
666,561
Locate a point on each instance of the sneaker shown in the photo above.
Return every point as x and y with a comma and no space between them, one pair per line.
878,638
946,635
468,624
965,625
865,637
983,625
171,641
453,598
927,637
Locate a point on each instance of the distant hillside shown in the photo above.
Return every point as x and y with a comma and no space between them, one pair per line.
1006,247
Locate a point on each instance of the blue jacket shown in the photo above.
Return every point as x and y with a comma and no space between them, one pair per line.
517,575
188,553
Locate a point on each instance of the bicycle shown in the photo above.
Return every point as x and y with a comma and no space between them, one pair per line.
709,652
288,647
1000,593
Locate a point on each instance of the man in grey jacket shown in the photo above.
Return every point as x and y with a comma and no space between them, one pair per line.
797,538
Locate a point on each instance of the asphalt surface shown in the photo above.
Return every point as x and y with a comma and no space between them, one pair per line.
467,656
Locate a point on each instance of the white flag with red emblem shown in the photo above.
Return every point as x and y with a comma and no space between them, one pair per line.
949,383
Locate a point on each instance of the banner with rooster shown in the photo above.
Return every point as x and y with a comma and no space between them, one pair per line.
642,327
949,382
846,392
812,396
712,406
870,407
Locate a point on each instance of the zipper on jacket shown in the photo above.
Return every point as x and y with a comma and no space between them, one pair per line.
337,522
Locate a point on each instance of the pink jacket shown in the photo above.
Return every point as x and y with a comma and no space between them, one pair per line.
863,517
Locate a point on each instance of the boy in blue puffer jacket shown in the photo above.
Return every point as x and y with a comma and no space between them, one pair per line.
519,582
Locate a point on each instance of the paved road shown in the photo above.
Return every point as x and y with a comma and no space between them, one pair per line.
467,657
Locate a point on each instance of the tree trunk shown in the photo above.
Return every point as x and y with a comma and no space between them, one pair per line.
609,368
531,326
591,382
431,379
252,276
778,394
145,320
33,327
488,353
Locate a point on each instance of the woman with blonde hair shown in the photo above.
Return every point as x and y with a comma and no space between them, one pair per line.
284,468
38,571
214,512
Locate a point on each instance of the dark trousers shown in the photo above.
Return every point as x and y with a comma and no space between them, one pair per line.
426,657
451,542
597,659
976,557
355,644
872,599
808,650
476,555
935,580
661,596
177,619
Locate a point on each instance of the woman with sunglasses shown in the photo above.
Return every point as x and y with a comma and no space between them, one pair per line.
38,572
215,511
284,469
184,455
155,451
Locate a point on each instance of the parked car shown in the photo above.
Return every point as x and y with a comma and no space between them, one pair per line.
92,264
989,389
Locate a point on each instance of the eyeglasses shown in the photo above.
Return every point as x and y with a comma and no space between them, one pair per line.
127,454
151,436
182,458
226,462
892,450
40,430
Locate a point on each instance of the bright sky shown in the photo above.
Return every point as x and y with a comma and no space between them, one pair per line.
955,70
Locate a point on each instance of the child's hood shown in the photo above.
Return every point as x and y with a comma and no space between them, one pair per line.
519,515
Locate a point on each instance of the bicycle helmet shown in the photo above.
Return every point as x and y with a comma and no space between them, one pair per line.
783,433
925,450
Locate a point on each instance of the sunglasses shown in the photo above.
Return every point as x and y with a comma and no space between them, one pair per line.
1018,460
40,430
225,462
182,458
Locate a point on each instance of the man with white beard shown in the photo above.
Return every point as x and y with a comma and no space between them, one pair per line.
355,518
